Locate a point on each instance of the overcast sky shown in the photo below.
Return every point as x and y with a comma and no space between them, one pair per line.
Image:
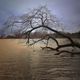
67,11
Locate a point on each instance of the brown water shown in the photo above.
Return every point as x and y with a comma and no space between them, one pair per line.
21,62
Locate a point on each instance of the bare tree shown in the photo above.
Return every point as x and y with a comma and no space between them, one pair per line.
42,20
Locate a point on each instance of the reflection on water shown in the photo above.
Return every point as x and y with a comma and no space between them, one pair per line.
21,62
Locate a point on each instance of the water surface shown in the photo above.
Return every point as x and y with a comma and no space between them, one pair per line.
21,62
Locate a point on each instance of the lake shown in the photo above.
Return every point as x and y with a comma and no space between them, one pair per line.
19,61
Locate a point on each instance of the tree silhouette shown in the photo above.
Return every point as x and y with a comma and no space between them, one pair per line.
42,20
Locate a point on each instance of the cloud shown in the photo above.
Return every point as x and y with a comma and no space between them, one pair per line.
68,11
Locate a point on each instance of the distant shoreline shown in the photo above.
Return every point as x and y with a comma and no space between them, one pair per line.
35,38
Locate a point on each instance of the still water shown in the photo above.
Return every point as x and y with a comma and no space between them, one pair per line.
19,61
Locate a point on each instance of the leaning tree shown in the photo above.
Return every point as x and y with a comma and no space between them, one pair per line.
42,20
